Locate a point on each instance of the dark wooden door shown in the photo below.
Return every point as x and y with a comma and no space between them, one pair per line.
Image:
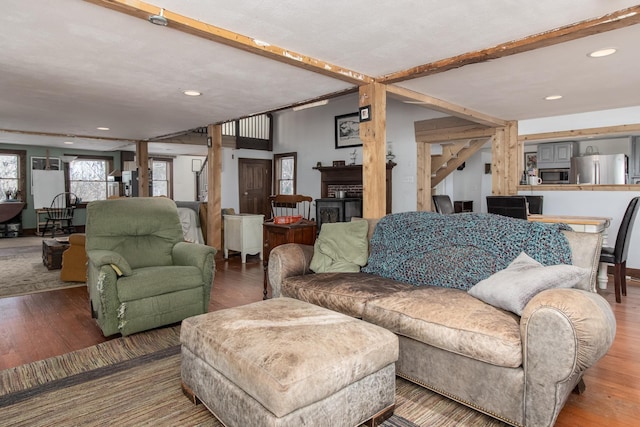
254,186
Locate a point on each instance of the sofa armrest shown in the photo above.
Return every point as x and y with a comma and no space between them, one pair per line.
185,253
103,257
290,259
103,294
564,332
201,256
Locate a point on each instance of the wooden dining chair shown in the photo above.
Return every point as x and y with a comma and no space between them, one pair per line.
290,204
618,254
442,204
512,206
60,213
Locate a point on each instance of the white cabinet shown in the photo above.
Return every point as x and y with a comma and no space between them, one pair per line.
243,233
552,155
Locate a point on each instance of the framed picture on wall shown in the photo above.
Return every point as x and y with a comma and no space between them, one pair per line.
530,160
347,131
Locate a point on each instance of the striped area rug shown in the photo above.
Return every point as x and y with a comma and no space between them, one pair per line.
135,381
24,273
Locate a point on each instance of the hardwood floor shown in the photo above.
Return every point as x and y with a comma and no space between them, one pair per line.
37,326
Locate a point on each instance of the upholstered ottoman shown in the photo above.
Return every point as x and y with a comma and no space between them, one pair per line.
284,362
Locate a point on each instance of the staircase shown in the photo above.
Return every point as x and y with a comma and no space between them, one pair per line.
454,154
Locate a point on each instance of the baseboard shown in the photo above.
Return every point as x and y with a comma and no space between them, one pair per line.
634,273
29,232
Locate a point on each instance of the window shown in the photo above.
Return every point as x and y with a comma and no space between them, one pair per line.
88,178
285,173
9,173
12,172
161,177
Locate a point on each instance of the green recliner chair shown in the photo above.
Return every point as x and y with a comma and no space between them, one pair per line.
141,274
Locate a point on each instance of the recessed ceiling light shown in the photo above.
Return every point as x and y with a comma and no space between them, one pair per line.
102,128
602,52
68,142
552,97
191,92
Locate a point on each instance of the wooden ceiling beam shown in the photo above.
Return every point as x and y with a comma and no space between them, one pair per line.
197,28
70,136
443,106
581,133
612,21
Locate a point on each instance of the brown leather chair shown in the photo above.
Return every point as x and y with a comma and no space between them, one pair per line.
74,260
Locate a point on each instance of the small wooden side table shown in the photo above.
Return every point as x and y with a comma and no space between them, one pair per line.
303,232
52,253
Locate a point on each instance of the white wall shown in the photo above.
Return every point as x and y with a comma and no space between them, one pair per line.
594,119
310,133
184,179
610,204
593,203
230,197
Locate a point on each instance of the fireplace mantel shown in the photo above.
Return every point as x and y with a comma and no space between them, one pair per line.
349,178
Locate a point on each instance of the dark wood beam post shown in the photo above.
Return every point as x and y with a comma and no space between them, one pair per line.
142,163
214,186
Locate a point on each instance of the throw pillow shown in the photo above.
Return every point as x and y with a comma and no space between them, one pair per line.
512,288
341,247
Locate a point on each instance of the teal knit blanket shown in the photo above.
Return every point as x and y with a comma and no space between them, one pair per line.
458,251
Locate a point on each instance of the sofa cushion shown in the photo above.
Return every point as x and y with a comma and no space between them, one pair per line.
343,292
152,281
512,288
452,320
341,247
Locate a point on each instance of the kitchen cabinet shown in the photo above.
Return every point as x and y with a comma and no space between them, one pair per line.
552,155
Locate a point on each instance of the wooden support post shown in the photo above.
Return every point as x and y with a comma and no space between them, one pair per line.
498,171
506,155
142,163
373,134
214,186
423,178
515,154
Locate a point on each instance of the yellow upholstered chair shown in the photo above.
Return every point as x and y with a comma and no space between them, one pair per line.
74,260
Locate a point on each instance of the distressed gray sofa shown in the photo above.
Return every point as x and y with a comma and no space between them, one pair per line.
517,368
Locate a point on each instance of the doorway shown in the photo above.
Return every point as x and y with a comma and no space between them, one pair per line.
254,185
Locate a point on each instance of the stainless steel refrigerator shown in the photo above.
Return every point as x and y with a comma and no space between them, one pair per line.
599,169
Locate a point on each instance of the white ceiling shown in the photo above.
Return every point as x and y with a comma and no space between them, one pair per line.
69,66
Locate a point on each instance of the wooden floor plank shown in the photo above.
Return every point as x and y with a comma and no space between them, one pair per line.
38,326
